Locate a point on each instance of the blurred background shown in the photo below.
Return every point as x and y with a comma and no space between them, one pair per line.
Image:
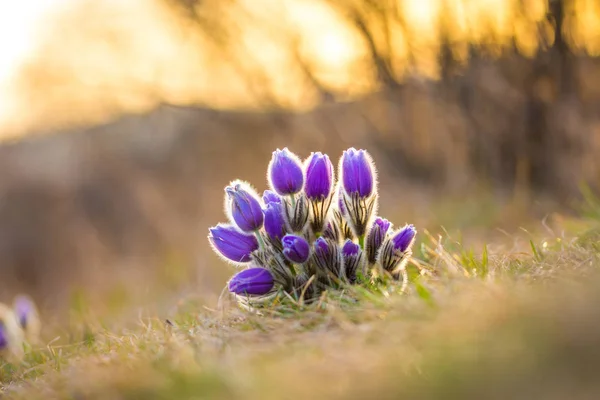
122,121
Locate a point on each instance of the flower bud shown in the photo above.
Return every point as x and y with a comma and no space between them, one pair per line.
353,260
28,317
358,194
11,335
285,173
244,207
357,173
375,238
274,221
295,248
319,189
232,244
252,281
327,261
319,177
396,249
270,196
403,239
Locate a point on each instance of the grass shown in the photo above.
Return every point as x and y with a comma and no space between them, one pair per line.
473,323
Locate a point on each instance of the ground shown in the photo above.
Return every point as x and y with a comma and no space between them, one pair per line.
499,322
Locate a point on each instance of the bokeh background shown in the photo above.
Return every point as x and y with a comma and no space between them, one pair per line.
122,121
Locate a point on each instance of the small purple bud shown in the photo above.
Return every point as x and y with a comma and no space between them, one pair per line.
358,175
352,260
350,248
375,237
285,172
319,176
396,250
295,248
404,238
270,196
232,244
23,309
327,259
252,281
274,220
321,246
244,207
3,336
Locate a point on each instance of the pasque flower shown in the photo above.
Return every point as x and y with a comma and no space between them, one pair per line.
252,281
295,248
232,244
327,262
319,176
404,237
396,249
375,238
11,335
319,189
270,196
358,191
274,221
353,260
243,206
285,172
358,173
27,315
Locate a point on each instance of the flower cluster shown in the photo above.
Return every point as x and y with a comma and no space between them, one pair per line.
309,233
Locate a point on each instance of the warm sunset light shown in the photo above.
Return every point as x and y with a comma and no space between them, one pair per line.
63,67
19,23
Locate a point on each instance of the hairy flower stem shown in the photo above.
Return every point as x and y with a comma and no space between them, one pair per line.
261,242
361,242
293,201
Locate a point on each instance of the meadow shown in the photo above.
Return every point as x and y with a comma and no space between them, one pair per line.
514,317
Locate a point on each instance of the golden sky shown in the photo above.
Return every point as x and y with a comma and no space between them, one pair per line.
69,62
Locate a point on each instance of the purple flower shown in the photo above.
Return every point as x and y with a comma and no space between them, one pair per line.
244,207
270,196
23,309
352,259
396,250
327,259
375,237
3,336
295,248
274,220
319,176
350,248
404,238
252,281
285,172
232,244
358,175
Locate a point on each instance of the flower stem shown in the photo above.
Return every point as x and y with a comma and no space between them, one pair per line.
293,201
361,241
293,270
261,242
